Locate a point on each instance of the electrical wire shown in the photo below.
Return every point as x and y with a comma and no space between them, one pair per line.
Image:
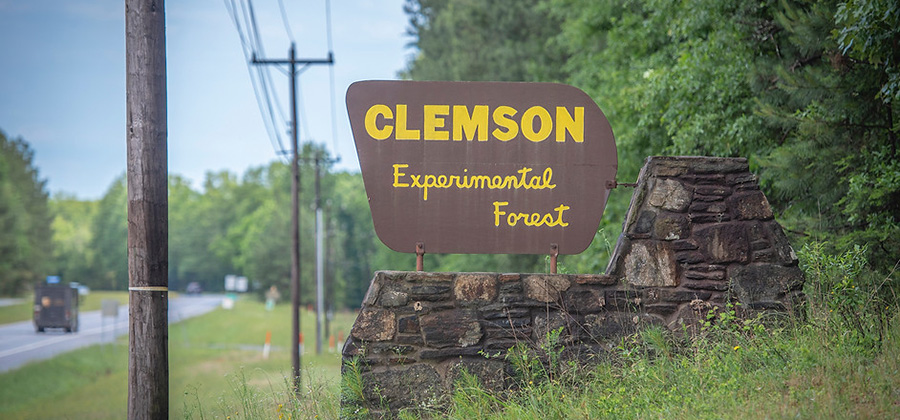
328,24
265,76
248,50
244,18
284,19
334,131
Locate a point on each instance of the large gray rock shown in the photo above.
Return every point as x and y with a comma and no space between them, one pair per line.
545,288
750,205
475,287
453,328
671,195
651,263
757,283
723,242
490,373
374,325
400,386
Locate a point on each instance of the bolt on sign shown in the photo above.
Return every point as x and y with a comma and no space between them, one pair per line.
482,167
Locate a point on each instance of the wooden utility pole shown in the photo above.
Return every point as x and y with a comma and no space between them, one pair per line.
148,224
296,332
292,62
320,252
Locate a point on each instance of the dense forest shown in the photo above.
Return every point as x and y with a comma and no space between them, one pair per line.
231,226
804,89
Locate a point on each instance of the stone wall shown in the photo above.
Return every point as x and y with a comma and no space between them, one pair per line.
699,233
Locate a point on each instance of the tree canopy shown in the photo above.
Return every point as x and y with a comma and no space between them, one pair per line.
25,232
805,90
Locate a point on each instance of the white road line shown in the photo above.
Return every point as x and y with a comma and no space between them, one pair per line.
54,340
179,316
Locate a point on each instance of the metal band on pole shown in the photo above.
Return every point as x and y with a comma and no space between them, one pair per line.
148,289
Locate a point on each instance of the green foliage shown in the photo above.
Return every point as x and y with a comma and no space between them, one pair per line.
232,225
803,89
471,401
534,365
869,31
25,235
846,297
73,257
352,394
502,40
109,239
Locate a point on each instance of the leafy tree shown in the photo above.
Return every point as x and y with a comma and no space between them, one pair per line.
803,89
262,237
765,81
109,238
73,256
868,31
25,235
188,250
355,236
502,40
833,162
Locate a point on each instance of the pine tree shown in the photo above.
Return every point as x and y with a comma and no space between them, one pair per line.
25,233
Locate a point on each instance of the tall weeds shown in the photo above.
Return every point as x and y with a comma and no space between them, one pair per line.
840,357
274,400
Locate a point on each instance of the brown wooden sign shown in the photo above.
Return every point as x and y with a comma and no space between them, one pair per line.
482,167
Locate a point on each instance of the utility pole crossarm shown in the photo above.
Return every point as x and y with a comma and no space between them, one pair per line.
329,60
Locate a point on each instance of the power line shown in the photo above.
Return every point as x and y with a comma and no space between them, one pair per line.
264,75
284,19
248,50
334,130
260,79
328,24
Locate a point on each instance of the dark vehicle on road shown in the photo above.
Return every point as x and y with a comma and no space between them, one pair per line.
193,288
55,306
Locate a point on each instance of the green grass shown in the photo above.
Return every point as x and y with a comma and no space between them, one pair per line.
841,360
23,311
215,368
799,373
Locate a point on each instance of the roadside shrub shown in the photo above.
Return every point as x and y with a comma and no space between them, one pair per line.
845,297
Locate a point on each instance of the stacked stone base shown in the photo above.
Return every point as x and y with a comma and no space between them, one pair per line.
699,234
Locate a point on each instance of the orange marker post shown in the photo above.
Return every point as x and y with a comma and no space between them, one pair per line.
268,346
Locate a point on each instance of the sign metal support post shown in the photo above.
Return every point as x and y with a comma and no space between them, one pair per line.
420,256
554,253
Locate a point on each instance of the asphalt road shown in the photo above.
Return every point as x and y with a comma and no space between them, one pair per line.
20,344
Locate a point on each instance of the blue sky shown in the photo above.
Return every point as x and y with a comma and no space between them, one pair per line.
62,82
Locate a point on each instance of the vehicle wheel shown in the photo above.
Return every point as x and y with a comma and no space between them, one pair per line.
39,329
75,327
